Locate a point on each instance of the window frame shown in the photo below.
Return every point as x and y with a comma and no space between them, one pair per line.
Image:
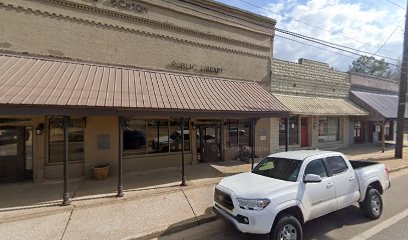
339,129
298,124
47,144
159,153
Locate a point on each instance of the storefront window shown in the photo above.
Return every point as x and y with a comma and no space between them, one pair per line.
239,133
293,131
176,137
75,140
134,137
154,136
329,129
357,129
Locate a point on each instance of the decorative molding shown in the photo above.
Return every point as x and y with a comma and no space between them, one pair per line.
168,26
127,29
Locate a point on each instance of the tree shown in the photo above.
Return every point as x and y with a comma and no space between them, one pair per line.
371,66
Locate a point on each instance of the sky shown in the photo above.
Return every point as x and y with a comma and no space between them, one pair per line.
362,24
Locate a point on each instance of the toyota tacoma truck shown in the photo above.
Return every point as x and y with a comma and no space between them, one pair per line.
287,189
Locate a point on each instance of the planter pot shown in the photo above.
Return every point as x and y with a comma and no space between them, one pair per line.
101,172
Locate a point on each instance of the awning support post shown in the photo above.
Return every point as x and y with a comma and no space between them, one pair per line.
383,136
120,157
253,122
65,197
287,134
183,175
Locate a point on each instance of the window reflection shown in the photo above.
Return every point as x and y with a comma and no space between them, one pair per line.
75,140
154,136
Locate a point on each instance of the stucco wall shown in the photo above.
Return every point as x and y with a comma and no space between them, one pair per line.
373,84
166,34
101,126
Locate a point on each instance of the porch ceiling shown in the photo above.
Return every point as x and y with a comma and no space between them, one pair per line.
319,106
61,84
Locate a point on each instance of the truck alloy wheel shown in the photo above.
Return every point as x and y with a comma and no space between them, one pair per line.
372,205
287,228
288,233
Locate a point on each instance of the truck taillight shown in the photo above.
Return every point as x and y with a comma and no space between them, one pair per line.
387,170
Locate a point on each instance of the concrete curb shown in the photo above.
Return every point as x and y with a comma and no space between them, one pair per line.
207,218
398,169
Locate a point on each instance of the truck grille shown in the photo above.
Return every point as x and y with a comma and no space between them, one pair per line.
224,199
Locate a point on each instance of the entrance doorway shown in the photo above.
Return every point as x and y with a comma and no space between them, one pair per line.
16,162
305,132
209,142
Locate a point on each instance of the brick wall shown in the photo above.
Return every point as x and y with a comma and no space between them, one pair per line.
309,78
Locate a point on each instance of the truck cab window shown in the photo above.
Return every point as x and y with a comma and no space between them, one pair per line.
336,164
316,167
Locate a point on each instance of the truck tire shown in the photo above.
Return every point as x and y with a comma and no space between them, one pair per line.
372,206
287,228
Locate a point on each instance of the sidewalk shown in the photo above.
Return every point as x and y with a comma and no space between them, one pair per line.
154,203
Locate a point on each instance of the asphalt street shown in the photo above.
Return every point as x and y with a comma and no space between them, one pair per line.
348,223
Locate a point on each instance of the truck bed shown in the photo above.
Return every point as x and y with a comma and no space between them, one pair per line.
360,164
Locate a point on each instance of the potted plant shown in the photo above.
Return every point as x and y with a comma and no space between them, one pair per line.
101,172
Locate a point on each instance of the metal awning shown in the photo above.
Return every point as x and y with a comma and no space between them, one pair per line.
319,106
43,85
385,105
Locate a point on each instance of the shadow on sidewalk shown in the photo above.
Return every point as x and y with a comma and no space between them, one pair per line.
29,195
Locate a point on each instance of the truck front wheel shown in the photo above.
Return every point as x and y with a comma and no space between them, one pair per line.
372,205
287,228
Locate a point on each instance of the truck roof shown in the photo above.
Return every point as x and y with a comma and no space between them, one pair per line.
300,154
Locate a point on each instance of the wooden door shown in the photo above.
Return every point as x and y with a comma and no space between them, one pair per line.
304,141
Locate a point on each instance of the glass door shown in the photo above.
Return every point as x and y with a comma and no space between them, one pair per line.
209,142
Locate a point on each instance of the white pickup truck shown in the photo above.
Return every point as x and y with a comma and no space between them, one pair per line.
288,189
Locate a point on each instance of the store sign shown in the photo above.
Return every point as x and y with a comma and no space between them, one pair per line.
196,67
128,5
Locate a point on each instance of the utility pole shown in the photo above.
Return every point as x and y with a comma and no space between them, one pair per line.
402,93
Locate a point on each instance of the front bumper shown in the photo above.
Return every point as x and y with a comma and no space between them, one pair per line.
256,222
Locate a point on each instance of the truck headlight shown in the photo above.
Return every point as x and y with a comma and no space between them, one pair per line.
253,204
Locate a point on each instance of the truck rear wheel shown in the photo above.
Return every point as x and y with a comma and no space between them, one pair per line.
372,205
287,228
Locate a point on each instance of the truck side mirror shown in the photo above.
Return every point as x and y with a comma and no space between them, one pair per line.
312,178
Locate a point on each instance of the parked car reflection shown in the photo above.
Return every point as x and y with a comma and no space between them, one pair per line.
133,139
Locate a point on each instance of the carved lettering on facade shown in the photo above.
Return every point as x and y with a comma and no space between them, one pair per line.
128,5
195,67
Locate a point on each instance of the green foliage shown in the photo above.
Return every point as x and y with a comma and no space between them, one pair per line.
371,66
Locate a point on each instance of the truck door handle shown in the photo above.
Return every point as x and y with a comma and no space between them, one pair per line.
329,185
351,178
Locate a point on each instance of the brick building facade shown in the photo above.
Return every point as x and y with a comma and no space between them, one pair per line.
317,97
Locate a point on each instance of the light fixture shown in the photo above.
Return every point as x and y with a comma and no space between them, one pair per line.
39,129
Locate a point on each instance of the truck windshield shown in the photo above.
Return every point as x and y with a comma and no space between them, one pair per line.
279,168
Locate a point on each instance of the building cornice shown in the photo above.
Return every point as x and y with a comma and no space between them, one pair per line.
128,29
167,26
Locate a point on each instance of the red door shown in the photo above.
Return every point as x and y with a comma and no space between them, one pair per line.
304,141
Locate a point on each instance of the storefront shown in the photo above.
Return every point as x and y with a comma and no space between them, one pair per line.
316,122
317,97
218,120
380,125
80,78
